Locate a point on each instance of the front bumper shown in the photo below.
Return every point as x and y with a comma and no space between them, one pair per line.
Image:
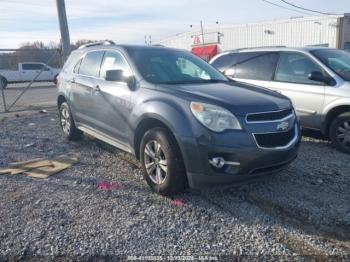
239,147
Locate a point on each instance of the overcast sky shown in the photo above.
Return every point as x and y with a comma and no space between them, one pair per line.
127,21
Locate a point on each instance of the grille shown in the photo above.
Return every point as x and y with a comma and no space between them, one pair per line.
269,116
271,140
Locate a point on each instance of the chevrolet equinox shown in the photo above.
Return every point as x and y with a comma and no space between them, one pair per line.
186,122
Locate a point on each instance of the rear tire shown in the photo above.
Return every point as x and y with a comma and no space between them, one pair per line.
162,162
339,132
67,123
3,82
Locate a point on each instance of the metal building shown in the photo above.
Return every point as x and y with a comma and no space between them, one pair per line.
330,30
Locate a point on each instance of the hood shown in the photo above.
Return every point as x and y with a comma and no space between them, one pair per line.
239,98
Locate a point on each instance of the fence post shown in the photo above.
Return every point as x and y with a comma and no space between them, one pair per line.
3,96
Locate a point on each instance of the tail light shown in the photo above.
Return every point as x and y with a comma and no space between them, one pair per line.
55,80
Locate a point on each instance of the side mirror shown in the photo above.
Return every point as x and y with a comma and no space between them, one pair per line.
118,76
318,76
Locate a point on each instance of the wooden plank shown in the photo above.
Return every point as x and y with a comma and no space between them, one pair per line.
21,163
41,168
58,164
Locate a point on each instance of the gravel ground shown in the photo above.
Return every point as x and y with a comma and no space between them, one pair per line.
302,213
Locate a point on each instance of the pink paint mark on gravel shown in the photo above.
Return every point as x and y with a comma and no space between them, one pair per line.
177,202
104,185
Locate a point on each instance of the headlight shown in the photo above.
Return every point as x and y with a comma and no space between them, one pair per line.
214,117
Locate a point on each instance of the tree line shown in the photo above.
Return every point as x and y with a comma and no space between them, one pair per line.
36,52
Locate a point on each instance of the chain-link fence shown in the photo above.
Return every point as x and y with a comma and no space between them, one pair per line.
27,78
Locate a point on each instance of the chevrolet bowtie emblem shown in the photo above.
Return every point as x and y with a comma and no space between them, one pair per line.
283,126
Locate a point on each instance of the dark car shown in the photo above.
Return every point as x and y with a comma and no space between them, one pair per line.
186,122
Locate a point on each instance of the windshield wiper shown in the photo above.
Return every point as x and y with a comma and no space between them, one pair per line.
203,81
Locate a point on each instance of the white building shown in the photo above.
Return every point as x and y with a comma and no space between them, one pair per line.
332,31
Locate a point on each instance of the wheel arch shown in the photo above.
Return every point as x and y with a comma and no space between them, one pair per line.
147,123
60,99
332,114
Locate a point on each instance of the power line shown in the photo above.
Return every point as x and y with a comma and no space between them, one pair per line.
306,9
281,6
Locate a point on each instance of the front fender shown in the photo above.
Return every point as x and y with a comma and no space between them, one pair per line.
173,114
335,103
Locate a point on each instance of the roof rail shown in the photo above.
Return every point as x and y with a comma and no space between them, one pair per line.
106,42
256,47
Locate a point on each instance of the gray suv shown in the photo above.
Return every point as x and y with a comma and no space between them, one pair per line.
185,121
317,80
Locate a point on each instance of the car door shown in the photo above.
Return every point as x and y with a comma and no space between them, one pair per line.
85,81
255,68
291,79
111,102
30,71
47,74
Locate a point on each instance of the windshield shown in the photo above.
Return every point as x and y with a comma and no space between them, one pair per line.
173,67
337,60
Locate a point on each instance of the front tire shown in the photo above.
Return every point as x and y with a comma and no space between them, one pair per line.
67,123
162,162
340,132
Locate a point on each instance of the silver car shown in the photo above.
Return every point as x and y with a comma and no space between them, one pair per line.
317,80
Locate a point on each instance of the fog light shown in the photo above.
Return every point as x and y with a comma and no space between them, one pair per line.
219,162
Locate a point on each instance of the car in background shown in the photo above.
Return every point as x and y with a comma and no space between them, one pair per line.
317,80
27,72
187,123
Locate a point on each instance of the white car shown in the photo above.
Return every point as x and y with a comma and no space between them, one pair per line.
28,72
316,79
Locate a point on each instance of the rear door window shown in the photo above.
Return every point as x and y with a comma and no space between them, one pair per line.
32,66
225,61
256,65
90,66
295,68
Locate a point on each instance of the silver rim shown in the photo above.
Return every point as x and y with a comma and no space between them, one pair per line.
343,133
65,120
155,162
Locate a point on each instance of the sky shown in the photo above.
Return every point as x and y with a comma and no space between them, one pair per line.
127,21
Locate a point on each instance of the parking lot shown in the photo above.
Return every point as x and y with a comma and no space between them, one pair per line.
301,213
39,95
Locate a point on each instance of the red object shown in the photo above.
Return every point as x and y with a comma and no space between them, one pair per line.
55,80
206,52
104,185
177,202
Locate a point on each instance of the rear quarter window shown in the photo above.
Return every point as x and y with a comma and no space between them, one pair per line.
71,62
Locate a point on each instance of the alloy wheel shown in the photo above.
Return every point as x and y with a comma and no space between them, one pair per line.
343,133
155,162
65,120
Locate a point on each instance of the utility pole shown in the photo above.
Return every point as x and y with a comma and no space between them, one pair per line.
202,32
62,17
